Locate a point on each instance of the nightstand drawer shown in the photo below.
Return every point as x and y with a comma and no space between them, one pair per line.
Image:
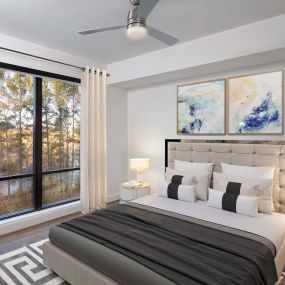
128,194
143,192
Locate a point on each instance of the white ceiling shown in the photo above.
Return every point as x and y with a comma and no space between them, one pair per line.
54,23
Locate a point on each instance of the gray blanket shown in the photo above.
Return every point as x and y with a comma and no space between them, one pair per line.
184,252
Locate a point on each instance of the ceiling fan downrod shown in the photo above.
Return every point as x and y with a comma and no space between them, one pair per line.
135,2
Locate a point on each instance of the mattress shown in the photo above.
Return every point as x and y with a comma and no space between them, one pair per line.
271,227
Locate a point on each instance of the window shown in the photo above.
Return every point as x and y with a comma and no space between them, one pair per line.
61,132
39,139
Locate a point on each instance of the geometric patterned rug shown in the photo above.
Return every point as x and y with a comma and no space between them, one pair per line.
24,266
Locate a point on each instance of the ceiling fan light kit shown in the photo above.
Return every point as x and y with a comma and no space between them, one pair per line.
136,32
136,24
136,27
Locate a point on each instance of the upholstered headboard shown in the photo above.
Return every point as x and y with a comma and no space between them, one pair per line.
234,152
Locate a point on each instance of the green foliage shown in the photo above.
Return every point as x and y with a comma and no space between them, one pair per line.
17,201
2,74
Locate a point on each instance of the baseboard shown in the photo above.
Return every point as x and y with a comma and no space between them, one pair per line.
113,197
32,219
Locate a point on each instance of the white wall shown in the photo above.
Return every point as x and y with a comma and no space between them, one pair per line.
117,140
152,119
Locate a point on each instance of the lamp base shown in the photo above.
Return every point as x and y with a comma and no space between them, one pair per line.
140,177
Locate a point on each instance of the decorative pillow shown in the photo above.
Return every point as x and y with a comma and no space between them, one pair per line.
199,180
250,171
233,184
177,191
243,205
194,167
247,186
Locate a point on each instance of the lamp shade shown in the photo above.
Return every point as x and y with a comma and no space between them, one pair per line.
139,164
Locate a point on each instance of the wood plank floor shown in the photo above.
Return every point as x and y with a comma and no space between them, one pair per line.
21,238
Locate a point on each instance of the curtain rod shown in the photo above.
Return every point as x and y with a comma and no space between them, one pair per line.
47,59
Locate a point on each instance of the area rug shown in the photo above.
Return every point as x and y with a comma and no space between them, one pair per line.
24,266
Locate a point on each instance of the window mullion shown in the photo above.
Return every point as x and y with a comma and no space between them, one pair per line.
37,143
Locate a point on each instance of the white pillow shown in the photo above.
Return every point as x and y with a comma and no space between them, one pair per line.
243,205
229,183
198,180
258,172
250,186
194,166
177,192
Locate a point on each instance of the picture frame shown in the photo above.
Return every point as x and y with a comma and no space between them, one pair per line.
255,104
201,108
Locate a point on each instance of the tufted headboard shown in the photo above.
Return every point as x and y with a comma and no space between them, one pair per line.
234,152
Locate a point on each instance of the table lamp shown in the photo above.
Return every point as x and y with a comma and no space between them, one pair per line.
139,165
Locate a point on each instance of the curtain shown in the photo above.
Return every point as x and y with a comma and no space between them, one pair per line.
93,176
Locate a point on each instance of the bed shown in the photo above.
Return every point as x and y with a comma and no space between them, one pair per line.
81,260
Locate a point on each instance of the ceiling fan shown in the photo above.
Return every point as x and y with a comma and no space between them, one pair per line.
136,24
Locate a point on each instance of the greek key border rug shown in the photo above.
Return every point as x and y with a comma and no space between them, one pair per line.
24,266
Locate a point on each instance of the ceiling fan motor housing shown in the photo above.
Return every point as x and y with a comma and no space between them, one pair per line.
134,19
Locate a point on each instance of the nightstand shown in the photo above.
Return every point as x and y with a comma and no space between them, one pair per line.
128,194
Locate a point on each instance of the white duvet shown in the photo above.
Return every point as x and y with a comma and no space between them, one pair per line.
271,227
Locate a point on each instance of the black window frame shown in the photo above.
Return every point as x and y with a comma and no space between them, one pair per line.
37,173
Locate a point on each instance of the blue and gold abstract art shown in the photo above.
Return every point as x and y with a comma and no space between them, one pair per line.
201,108
255,104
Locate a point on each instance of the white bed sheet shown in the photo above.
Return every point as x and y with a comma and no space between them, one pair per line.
271,227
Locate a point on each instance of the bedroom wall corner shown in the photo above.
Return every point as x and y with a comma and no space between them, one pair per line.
117,140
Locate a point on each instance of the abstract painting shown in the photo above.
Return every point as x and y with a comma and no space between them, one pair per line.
201,108
256,104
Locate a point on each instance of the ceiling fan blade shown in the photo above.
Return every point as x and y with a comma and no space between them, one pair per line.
161,36
87,32
146,7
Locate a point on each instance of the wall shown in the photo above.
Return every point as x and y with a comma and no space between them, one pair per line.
152,119
117,140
